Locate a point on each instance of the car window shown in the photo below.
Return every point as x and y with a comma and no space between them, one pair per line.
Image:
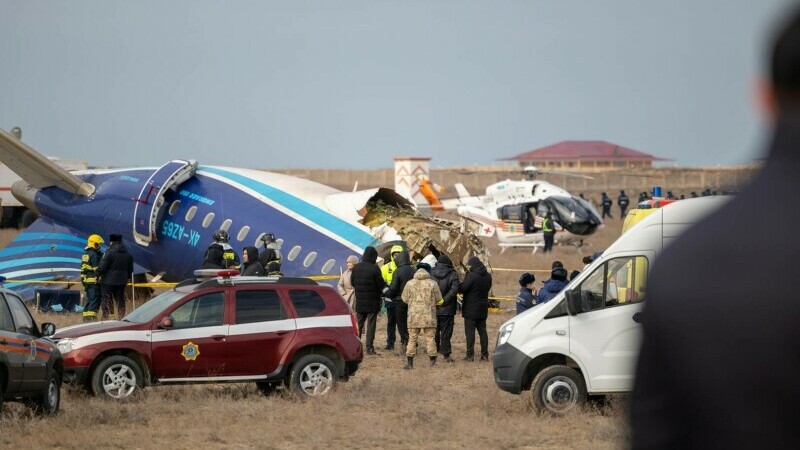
307,303
22,318
204,311
258,306
6,322
618,281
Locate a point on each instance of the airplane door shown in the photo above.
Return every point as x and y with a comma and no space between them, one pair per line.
151,197
196,346
606,336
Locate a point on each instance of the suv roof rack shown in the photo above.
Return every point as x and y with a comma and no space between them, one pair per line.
234,281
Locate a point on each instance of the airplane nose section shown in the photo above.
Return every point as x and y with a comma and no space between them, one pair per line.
26,194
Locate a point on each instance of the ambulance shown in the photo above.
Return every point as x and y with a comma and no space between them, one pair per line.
584,342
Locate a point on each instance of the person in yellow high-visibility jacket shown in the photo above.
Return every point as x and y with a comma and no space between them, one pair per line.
387,271
89,261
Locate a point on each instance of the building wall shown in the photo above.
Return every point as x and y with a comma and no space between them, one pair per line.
678,180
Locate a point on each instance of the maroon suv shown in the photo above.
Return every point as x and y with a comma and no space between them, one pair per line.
271,330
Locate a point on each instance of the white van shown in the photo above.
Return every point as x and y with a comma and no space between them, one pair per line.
585,341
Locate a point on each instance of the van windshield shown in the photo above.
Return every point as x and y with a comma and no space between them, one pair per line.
150,309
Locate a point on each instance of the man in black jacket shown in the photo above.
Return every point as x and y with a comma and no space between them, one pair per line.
251,266
368,284
402,275
447,279
475,306
114,271
719,362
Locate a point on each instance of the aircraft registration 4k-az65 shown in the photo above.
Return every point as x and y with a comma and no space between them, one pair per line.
167,216
514,209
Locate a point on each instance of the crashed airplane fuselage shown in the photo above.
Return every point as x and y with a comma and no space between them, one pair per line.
167,216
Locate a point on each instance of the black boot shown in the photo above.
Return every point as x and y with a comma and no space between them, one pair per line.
409,363
433,361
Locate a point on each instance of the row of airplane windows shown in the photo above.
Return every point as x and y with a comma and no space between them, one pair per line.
243,232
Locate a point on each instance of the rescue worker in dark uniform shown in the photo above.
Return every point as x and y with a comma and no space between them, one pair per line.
251,266
89,262
549,232
622,201
606,203
270,257
402,275
387,271
114,270
230,259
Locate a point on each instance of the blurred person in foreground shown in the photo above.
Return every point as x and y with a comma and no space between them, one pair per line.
447,278
719,362
367,286
475,306
421,294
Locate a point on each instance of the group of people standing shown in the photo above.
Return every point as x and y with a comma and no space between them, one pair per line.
220,255
104,276
529,296
622,200
420,299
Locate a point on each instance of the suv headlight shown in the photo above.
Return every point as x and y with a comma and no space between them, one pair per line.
505,333
65,345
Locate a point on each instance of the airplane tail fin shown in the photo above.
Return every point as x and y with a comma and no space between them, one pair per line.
36,169
462,191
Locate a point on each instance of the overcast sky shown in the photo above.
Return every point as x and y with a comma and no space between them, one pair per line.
300,84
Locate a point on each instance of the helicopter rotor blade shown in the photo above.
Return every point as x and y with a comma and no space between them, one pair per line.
566,174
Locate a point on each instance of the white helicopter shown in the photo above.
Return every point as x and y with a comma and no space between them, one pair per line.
513,210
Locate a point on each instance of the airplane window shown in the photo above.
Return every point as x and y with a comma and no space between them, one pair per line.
259,243
207,221
190,213
226,225
293,253
174,207
242,233
310,259
328,265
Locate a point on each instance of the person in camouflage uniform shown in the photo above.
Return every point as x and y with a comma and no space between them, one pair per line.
421,294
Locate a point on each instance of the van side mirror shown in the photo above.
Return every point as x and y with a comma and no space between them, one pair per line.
48,329
166,322
574,306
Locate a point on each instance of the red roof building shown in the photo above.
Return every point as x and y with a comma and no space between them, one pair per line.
585,155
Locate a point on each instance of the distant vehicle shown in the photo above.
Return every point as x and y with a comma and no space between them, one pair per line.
585,341
167,215
31,367
274,331
645,208
514,209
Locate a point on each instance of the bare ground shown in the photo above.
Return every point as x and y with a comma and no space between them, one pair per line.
448,406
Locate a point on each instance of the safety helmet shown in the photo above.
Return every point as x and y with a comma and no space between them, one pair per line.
268,238
94,240
221,236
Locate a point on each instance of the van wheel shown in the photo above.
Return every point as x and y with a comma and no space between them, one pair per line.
558,389
117,377
50,400
313,376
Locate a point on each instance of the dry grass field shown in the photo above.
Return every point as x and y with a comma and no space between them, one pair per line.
449,406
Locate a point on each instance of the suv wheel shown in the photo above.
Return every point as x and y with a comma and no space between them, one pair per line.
117,377
558,389
50,399
313,376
